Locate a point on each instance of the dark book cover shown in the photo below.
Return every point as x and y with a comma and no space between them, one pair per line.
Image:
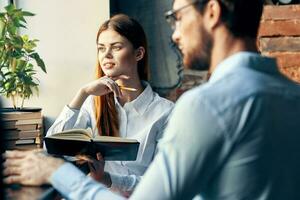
117,151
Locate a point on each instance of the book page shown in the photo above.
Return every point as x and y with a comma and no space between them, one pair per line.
113,139
74,134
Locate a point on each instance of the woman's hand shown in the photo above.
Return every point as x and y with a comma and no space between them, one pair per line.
96,168
99,87
104,85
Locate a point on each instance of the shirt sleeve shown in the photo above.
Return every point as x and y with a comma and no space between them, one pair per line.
164,123
71,118
189,153
73,184
124,183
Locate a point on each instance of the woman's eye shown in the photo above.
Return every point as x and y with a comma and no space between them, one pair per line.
101,49
116,48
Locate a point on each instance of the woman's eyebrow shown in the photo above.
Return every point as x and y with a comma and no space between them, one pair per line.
101,44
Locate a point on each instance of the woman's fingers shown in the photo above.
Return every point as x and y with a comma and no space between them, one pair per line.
113,86
99,157
105,85
92,167
85,158
97,167
116,88
80,162
114,78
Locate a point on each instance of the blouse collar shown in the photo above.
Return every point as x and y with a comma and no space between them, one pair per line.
141,103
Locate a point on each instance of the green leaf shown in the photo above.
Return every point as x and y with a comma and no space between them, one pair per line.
17,72
22,19
28,80
29,66
22,25
16,22
28,69
21,64
41,64
7,73
17,14
2,27
29,45
12,29
39,61
26,13
18,41
25,38
10,8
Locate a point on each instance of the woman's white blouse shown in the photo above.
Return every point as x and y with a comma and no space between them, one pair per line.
143,119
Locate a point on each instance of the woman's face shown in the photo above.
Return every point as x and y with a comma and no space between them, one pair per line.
116,54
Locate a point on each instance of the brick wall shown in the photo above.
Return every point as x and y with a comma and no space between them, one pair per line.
279,36
191,78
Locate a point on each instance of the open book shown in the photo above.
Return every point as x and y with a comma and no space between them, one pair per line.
81,142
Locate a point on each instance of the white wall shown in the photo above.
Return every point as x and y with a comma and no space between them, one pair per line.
67,33
3,3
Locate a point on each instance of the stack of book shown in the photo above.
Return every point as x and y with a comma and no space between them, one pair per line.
22,129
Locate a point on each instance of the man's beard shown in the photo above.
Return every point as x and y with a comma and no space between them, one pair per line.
199,59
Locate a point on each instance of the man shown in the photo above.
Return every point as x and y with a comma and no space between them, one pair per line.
236,137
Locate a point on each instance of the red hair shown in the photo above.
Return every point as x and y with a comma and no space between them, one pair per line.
105,109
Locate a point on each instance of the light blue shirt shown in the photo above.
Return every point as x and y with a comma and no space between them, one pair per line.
235,137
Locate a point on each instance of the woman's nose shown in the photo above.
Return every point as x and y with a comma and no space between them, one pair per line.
108,53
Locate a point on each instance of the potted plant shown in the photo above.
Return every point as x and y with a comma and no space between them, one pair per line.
17,57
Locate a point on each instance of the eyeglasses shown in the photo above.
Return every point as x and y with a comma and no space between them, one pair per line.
171,14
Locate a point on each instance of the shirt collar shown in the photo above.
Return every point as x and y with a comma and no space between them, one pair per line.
243,60
141,103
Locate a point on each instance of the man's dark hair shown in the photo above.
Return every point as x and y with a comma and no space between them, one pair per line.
241,17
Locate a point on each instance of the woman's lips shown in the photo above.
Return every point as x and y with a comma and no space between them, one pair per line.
108,65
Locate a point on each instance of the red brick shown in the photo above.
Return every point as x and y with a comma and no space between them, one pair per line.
289,64
281,12
279,28
282,21
286,59
291,44
292,73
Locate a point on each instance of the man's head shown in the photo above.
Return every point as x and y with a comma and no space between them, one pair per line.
196,23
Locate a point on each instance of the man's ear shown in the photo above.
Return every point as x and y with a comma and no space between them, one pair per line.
212,15
139,53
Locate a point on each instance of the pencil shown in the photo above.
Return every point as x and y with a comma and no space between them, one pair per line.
127,88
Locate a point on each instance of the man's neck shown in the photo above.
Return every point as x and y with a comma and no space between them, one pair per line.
227,46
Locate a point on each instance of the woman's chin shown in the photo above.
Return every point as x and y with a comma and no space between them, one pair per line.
111,74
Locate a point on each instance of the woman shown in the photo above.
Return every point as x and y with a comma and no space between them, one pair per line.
108,108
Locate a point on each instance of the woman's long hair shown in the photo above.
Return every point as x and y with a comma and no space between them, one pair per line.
105,109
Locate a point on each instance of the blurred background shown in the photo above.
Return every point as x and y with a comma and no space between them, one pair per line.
67,30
